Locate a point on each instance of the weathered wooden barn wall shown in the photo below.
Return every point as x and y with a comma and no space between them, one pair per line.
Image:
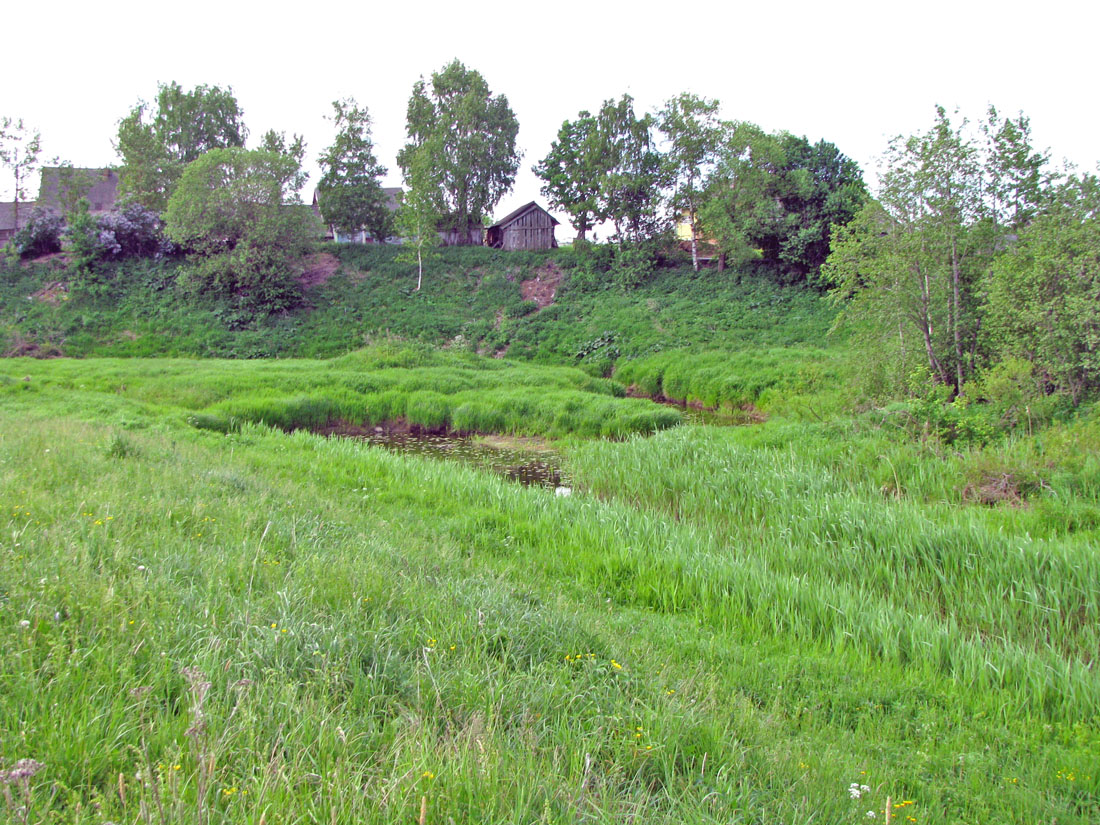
533,230
529,227
456,237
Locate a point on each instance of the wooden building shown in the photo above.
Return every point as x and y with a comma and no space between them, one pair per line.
529,227
449,236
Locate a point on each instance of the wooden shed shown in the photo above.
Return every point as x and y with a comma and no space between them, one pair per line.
529,227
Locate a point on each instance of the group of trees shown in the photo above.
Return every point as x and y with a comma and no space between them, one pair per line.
975,255
753,195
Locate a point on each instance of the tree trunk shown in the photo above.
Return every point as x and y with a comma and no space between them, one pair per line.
694,241
721,261
926,328
956,301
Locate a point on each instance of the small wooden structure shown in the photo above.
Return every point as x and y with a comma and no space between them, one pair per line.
529,227
452,236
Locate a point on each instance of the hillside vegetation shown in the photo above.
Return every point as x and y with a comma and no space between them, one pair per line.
471,299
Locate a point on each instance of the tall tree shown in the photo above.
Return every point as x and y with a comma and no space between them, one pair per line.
350,189
295,149
632,187
475,132
778,196
181,127
741,198
1015,170
573,172
19,150
915,257
692,133
1042,295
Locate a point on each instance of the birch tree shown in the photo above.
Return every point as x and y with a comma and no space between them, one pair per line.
19,150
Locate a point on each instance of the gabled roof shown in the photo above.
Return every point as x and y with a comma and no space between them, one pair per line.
511,216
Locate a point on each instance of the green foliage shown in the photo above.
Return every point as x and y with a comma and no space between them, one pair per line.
777,197
910,264
1041,293
84,252
19,150
631,188
228,212
183,126
573,172
418,215
473,132
350,191
692,133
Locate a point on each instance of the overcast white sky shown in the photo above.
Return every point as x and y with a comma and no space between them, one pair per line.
852,72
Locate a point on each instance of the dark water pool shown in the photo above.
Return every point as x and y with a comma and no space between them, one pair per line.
526,462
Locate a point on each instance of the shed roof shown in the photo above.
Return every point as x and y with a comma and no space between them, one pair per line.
511,216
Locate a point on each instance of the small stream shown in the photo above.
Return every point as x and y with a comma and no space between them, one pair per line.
523,460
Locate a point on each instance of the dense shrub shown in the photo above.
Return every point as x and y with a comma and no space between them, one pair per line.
40,235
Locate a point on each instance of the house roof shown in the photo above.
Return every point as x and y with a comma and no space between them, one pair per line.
101,186
511,216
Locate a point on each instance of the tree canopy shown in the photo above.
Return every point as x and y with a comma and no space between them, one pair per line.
350,189
156,143
244,242
475,159
777,196
969,256
573,172
692,134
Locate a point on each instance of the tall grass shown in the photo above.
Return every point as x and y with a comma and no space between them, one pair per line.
366,636
381,384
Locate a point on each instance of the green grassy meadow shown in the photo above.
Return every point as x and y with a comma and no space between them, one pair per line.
209,614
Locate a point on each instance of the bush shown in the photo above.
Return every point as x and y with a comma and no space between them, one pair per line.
131,232
41,235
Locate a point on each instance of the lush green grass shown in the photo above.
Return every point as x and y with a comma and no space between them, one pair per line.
385,383
719,625
471,298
